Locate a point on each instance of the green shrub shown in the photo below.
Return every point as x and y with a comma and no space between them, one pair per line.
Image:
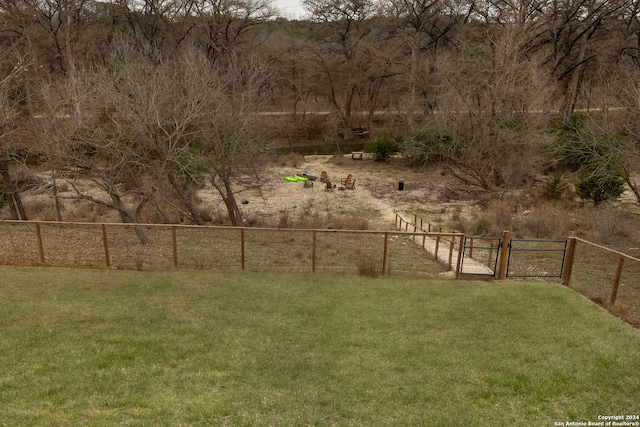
569,148
555,186
599,186
383,147
595,153
428,146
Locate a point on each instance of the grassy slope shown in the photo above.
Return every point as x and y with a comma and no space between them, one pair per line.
98,347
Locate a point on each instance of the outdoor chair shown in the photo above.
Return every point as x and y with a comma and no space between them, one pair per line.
346,180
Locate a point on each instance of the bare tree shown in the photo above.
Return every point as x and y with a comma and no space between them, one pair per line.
230,27
231,138
11,117
290,53
493,107
146,123
423,26
625,90
126,130
342,52
569,41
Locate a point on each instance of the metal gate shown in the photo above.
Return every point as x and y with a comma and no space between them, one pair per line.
536,258
480,256
524,258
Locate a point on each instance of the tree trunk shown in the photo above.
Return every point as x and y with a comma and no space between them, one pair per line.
128,218
633,185
56,199
376,85
347,117
12,193
229,200
161,212
573,84
412,86
182,193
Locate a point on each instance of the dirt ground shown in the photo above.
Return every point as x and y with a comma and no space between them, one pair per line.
376,194
266,199
270,201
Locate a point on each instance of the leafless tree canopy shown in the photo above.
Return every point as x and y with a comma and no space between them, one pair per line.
160,97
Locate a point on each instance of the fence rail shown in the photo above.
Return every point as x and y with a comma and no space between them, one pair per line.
424,230
609,277
218,248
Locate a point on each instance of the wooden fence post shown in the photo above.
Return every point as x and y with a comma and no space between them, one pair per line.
242,248
40,245
502,257
435,253
174,238
567,268
616,280
105,243
451,253
460,253
313,252
385,253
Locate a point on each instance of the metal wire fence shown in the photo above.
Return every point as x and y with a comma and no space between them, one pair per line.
606,276
213,248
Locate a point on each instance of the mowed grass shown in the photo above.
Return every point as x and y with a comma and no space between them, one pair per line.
99,347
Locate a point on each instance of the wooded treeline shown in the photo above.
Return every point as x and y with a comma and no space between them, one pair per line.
155,96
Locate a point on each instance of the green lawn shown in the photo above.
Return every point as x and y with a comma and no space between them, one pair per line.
98,347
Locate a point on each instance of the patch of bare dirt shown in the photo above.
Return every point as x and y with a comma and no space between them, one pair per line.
264,199
376,191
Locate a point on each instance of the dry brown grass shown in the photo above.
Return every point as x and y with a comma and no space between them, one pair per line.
368,264
289,160
492,221
539,217
546,220
84,211
341,161
607,225
42,209
526,213
316,222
